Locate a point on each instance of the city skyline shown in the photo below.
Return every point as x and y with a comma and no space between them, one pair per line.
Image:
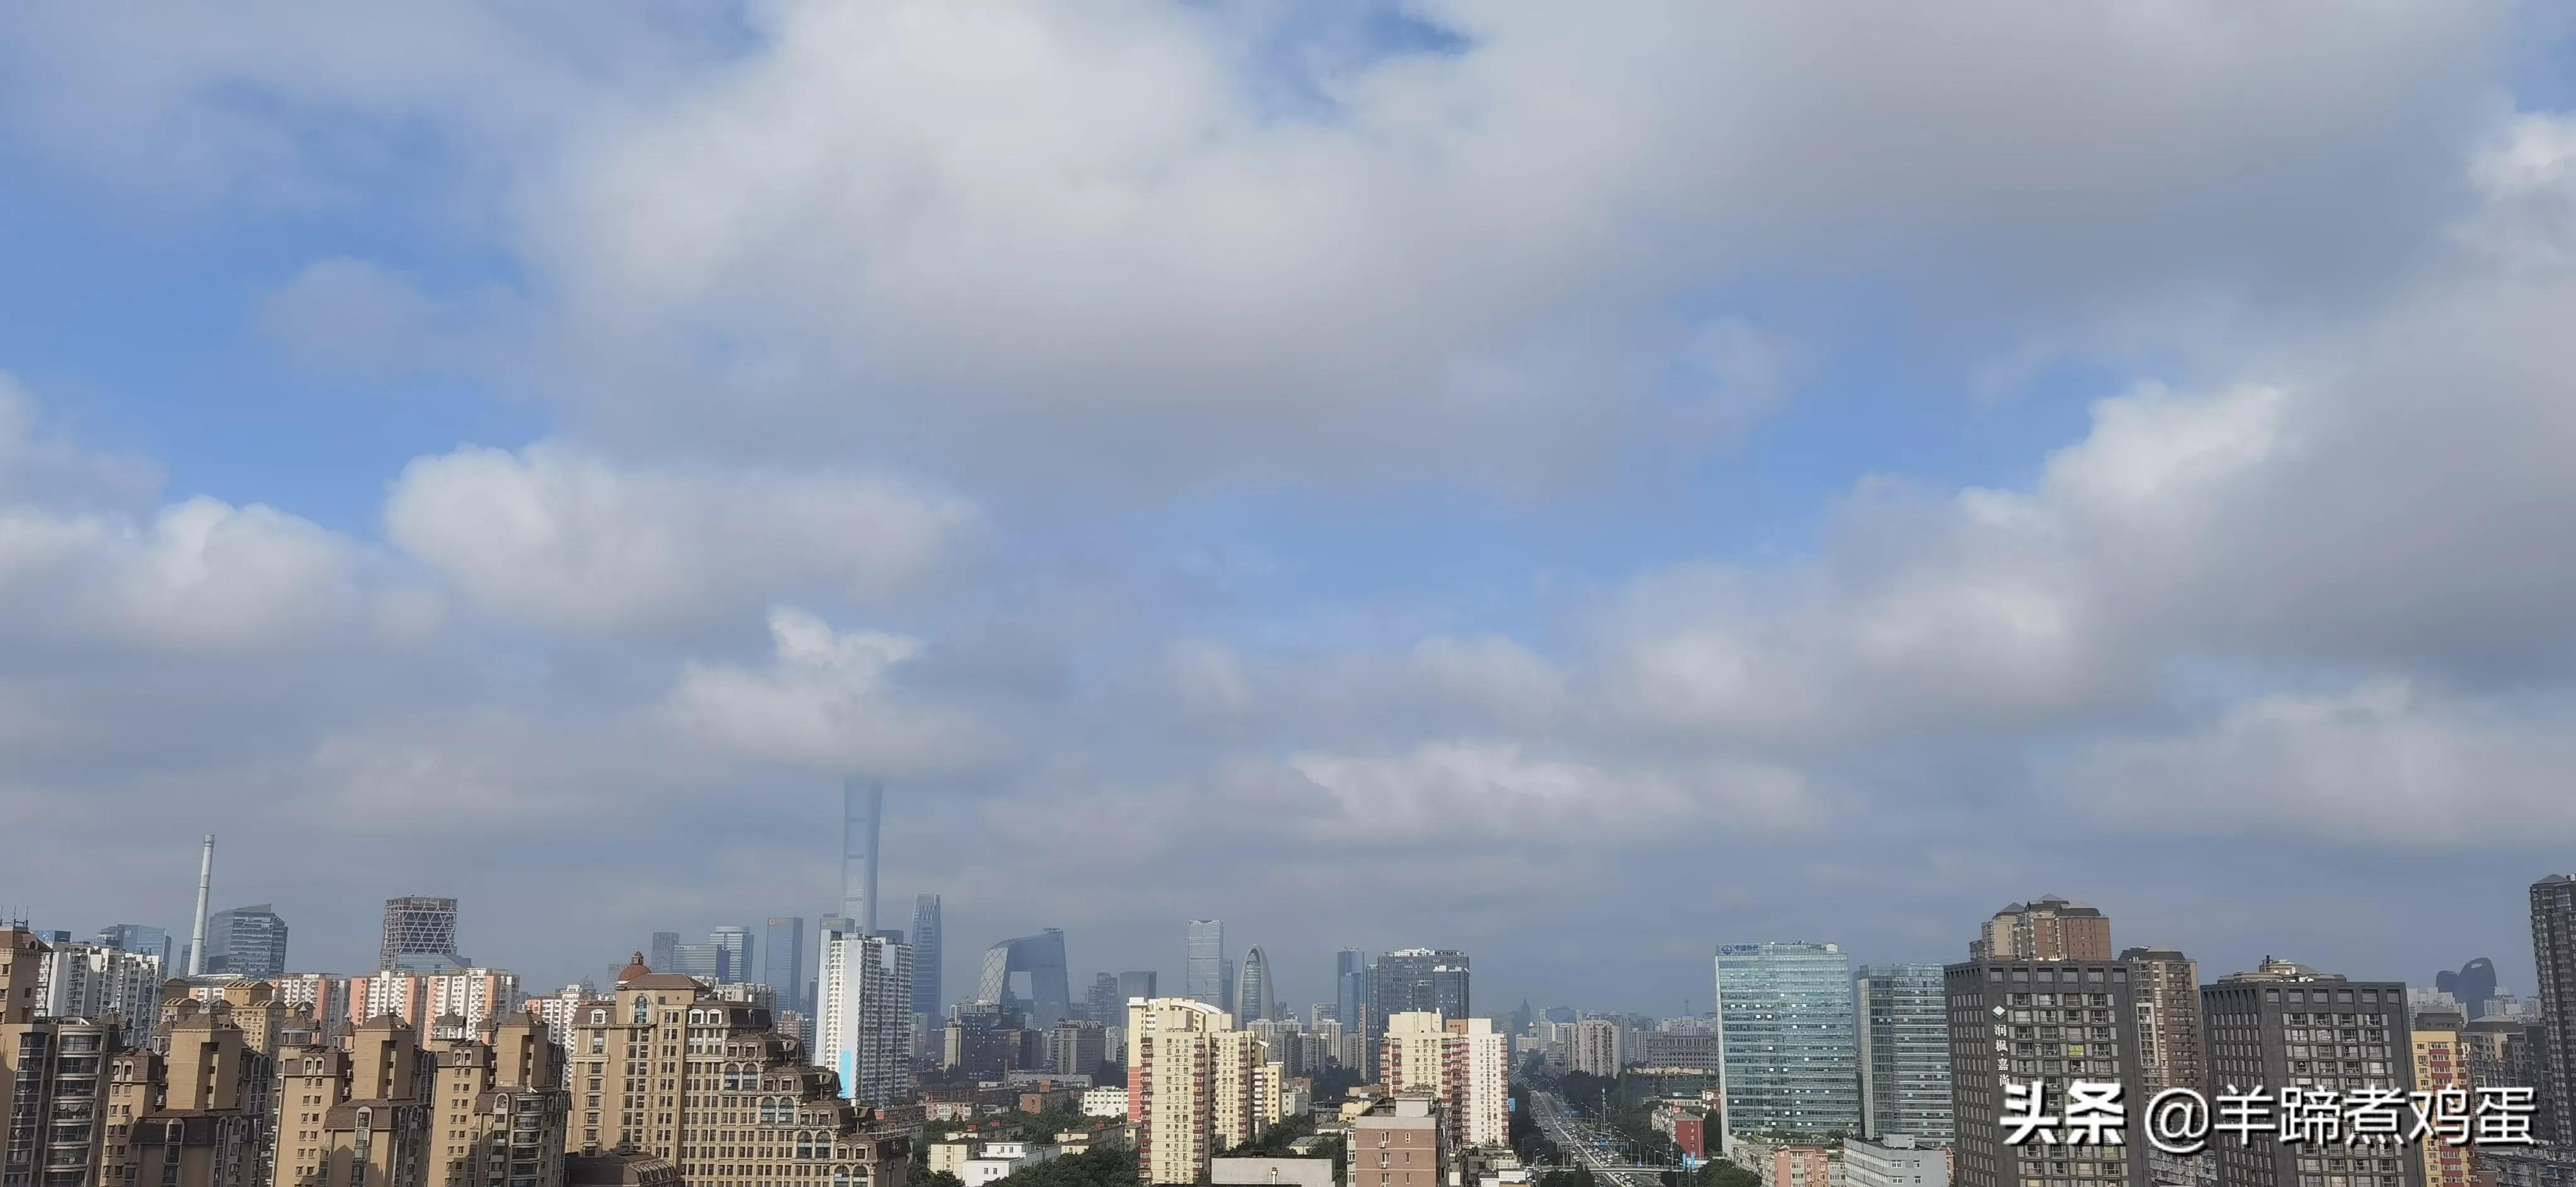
1307,460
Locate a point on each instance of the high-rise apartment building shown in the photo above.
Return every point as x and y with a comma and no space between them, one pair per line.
783,961
2045,928
1256,997
2049,1023
1417,979
1196,1086
1350,988
2553,954
475,998
1205,976
1462,1061
136,937
246,942
418,925
95,980
1788,1041
2172,1049
1592,1047
1904,1052
55,1067
501,1114
2513,1053
733,955
664,1069
191,1116
863,1023
927,936
1077,1047
2441,1065
323,995
359,1115
2288,1025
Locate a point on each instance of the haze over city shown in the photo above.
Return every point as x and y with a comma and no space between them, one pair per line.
1483,476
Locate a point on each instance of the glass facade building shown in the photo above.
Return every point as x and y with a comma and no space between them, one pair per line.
1904,1052
1788,1042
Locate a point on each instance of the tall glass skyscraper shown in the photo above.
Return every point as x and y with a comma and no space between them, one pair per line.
733,954
1787,1040
1411,979
925,956
1204,979
783,962
1904,1052
1350,987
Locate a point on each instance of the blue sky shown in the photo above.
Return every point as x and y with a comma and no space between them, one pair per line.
1216,459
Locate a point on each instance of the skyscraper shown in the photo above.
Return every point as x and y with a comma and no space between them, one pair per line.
2473,985
1904,1052
862,803
1591,1046
246,942
1255,998
1041,959
1133,985
926,997
782,966
1787,1040
863,1022
1409,979
2261,1028
136,937
1350,987
2045,928
1204,979
733,954
1102,1004
664,952
2008,1006
2171,1053
417,924
2553,953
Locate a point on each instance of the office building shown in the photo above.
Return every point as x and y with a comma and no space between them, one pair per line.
136,937
1039,960
1101,1002
733,955
96,981
2289,1025
1788,1040
1678,1051
862,807
702,961
754,1113
2049,1023
1418,979
863,1020
1904,1052
2045,928
1399,1141
782,956
1350,988
1196,1086
1132,985
245,942
1592,1047
418,925
664,950
2441,1065
1896,1160
927,936
1077,1047
1256,997
1462,1061
1204,978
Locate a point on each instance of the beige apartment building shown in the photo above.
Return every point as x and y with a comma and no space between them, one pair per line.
2442,1065
666,1069
1196,1086
1461,1060
1400,1141
2045,928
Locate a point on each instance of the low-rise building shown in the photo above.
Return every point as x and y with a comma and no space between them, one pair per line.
997,1160
1104,1102
1264,1172
1894,1161
1788,1164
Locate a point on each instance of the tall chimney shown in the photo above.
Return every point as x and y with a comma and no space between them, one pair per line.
205,887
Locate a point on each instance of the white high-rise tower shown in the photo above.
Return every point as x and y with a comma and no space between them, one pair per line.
862,802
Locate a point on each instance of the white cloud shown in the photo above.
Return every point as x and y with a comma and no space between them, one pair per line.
832,701
1485,790
566,539
198,576
41,465
2382,763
